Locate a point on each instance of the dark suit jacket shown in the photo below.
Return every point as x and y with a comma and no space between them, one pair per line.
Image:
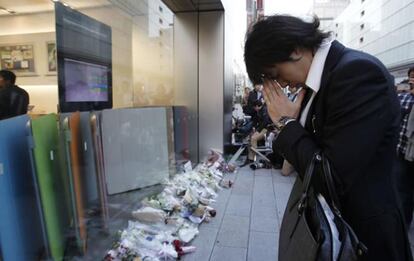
261,119
249,110
354,121
14,101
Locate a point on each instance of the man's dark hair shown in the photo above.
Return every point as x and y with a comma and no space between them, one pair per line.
257,103
274,38
410,70
8,76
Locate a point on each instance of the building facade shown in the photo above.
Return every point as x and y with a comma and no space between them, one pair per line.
328,10
381,28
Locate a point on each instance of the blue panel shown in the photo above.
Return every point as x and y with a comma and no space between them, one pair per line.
20,227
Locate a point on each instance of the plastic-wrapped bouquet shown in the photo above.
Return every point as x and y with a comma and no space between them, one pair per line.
166,223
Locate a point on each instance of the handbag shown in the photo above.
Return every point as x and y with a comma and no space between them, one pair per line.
313,229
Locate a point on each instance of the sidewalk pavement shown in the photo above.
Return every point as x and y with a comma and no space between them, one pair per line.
248,219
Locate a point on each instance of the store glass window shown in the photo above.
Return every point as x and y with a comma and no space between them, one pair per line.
103,129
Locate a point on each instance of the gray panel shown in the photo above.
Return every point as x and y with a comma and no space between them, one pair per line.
135,148
89,168
180,133
211,80
228,84
186,73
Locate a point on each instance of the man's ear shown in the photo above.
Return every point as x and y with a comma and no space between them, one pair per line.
297,54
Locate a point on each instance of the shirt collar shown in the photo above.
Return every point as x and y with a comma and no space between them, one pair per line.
314,77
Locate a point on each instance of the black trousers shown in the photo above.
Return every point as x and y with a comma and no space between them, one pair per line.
404,177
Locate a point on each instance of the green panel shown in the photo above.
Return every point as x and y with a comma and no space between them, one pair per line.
51,180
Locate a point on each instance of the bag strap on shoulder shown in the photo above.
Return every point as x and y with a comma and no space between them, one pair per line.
318,157
307,179
335,204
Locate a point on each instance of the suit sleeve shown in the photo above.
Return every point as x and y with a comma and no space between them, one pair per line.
357,115
26,101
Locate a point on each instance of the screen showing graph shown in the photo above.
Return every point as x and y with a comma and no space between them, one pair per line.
85,82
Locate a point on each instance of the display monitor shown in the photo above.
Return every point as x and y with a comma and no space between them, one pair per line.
85,82
84,54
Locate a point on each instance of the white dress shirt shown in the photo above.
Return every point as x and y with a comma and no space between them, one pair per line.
313,80
259,95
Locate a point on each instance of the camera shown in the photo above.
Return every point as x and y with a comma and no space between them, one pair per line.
260,164
256,165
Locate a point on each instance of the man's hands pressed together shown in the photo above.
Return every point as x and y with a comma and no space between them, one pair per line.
278,104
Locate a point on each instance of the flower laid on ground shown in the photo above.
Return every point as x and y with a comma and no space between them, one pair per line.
166,223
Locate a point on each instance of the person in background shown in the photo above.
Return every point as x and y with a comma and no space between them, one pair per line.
245,98
403,86
14,100
404,169
254,95
260,123
245,125
292,93
411,77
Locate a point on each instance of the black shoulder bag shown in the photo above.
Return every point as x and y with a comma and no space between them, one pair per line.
312,229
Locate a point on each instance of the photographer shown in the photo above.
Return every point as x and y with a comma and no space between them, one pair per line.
260,120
